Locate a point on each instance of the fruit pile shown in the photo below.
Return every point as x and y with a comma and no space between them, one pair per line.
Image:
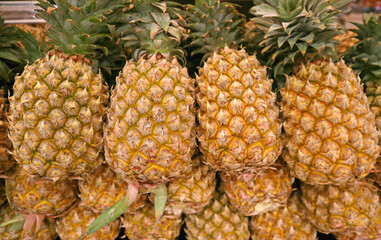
140,118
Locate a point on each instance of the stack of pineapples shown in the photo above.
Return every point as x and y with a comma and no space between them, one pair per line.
91,161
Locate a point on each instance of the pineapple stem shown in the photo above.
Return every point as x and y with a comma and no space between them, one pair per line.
160,200
115,210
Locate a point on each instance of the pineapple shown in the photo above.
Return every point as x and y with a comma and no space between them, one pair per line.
191,194
219,220
260,192
143,224
6,159
58,106
338,208
13,231
37,30
239,125
102,188
346,41
150,132
364,58
331,135
73,225
372,232
287,222
30,195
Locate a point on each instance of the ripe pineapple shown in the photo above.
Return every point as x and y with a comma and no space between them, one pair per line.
191,194
15,230
346,41
338,208
150,135
143,224
73,225
6,159
239,125
37,30
364,58
259,192
287,222
30,195
58,106
331,135
219,220
372,232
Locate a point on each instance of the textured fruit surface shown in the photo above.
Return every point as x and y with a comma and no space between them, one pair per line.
331,134
10,232
373,91
333,208
191,194
218,220
255,193
287,222
56,116
143,225
372,232
346,41
150,132
102,188
31,195
6,159
239,124
73,225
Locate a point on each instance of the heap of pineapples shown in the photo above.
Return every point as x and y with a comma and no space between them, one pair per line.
331,140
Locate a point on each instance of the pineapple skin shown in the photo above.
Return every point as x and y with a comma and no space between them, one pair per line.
46,231
191,194
331,135
142,224
31,195
346,41
6,159
239,125
56,116
73,225
101,189
255,193
218,220
286,222
338,208
150,134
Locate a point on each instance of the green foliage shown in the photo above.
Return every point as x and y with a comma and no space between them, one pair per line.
295,31
365,56
214,25
81,27
17,48
151,27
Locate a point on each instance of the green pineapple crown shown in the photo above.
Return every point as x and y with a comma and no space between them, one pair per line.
214,25
81,28
296,31
17,48
152,27
365,56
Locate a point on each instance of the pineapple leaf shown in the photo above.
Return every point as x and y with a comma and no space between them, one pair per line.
114,211
160,199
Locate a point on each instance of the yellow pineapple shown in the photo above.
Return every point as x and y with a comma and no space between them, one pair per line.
191,194
73,225
143,224
239,125
58,106
13,231
258,192
30,195
331,135
37,30
338,208
284,223
218,220
346,41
